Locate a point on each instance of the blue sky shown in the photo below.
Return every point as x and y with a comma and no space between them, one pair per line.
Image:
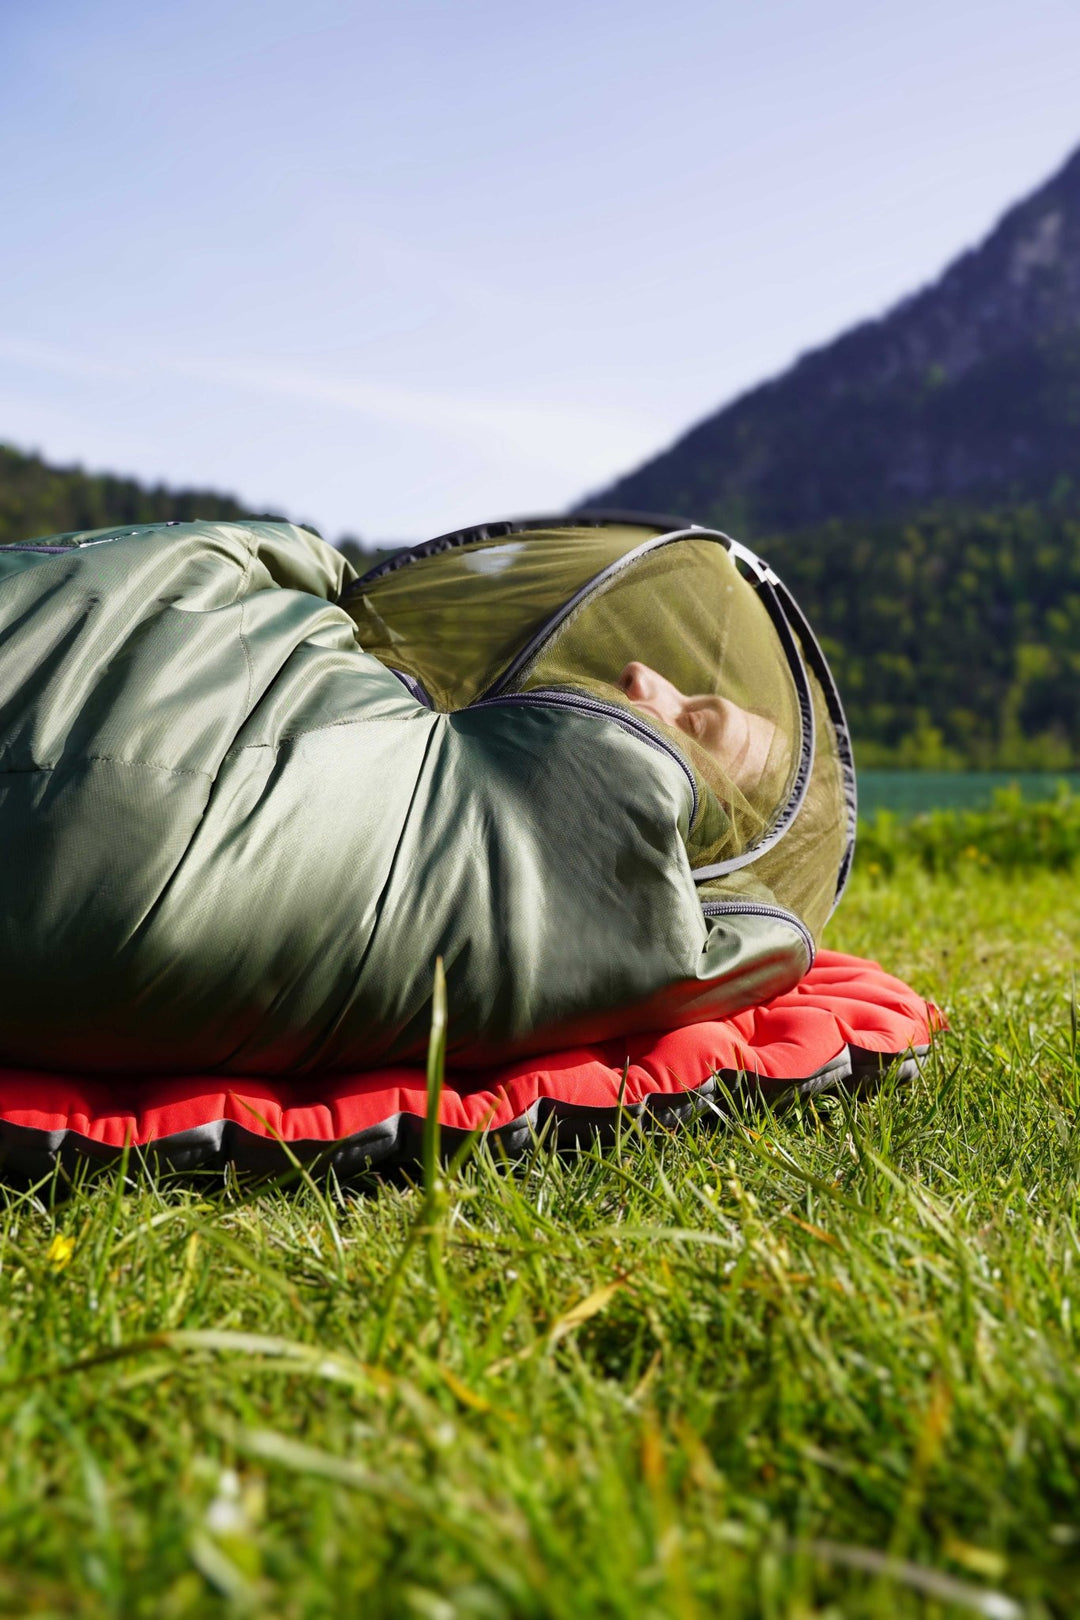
392,269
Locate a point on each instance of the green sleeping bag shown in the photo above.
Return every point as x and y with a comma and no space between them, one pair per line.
246,799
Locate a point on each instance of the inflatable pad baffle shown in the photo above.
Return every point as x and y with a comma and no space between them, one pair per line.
845,1022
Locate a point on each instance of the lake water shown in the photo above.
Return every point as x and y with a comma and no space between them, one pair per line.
908,792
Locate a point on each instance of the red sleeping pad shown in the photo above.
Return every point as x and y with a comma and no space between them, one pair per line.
845,1022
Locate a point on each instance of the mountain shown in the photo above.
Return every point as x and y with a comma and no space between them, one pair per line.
966,393
37,499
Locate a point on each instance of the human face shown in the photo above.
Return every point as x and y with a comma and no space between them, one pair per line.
737,739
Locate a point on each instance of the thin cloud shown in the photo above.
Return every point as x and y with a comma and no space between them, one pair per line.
580,443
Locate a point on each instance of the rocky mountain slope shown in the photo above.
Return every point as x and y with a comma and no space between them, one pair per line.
968,392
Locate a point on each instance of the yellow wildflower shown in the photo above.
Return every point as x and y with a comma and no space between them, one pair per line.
59,1252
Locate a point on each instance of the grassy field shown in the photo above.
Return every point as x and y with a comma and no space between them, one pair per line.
825,1365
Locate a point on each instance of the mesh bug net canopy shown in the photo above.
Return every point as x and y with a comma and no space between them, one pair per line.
565,612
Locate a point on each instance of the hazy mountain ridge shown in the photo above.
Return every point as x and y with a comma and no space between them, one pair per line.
968,391
38,499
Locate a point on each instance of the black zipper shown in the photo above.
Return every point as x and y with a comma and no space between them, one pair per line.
412,686
546,697
66,551
50,551
751,908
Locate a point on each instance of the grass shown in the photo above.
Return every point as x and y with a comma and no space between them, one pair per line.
822,1366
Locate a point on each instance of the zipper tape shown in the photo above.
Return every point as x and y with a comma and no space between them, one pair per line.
749,908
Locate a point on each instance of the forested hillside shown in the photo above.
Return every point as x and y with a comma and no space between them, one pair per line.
968,392
37,499
955,637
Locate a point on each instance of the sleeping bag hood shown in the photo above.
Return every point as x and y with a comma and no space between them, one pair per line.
246,798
